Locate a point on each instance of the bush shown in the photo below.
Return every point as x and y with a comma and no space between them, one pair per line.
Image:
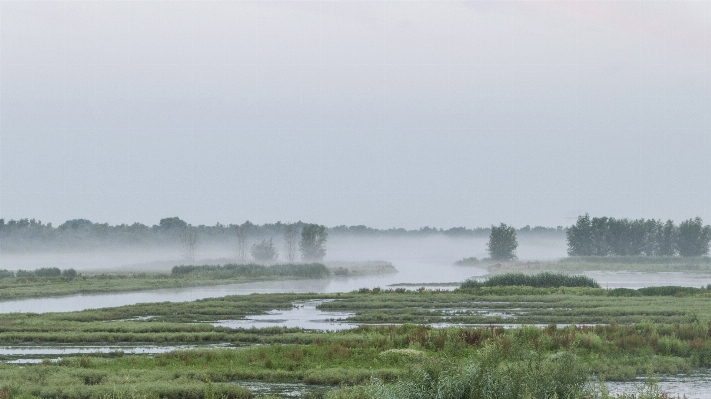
467,261
308,270
6,274
540,280
670,291
623,292
48,272
69,273
533,376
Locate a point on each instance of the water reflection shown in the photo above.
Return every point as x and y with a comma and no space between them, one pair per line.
696,385
303,315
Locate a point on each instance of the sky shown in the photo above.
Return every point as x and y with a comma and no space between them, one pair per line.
382,113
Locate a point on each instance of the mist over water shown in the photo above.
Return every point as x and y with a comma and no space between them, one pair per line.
400,251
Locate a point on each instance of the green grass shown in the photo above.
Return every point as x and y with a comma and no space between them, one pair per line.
663,333
33,285
562,358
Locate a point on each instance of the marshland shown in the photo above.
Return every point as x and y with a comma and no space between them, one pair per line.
247,325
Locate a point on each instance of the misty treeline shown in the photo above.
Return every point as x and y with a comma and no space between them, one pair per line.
42,272
605,236
30,235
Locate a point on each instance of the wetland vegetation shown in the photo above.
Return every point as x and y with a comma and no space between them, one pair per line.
32,284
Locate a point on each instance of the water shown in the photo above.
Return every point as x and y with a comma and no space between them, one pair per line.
284,390
640,280
303,315
36,353
696,385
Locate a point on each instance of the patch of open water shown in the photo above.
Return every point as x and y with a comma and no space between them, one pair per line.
36,353
696,385
303,315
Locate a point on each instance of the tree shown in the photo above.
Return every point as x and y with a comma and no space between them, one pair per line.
241,245
189,239
693,238
502,243
174,223
667,239
264,251
313,242
580,237
290,232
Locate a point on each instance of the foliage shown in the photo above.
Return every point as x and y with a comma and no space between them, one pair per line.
541,280
307,270
605,236
189,239
502,243
468,261
493,375
693,238
313,242
6,274
290,233
264,251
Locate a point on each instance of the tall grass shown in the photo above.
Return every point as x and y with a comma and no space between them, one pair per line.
533,376
540,280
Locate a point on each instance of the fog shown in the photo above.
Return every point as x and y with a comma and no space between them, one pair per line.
409,255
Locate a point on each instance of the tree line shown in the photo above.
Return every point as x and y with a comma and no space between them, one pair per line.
605,236
30,235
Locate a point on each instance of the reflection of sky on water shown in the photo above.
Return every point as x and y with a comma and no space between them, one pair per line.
693,386
640,280
303,315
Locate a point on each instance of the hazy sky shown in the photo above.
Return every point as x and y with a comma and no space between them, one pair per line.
384,113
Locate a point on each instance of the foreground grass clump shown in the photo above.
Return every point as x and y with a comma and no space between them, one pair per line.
541,280
492,375
305,270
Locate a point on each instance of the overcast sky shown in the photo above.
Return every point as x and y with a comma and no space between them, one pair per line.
383,113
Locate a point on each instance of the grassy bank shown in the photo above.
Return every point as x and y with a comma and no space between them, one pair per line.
32,284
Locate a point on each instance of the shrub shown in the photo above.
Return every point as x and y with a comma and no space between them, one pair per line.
6,274
48,272
540,280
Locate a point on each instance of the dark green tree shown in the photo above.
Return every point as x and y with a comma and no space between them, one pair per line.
313,242
693,238
667,239
502,243
580,237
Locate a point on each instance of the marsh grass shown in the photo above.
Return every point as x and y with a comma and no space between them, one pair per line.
34,284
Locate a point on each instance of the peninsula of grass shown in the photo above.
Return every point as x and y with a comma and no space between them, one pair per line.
643,264
31,284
